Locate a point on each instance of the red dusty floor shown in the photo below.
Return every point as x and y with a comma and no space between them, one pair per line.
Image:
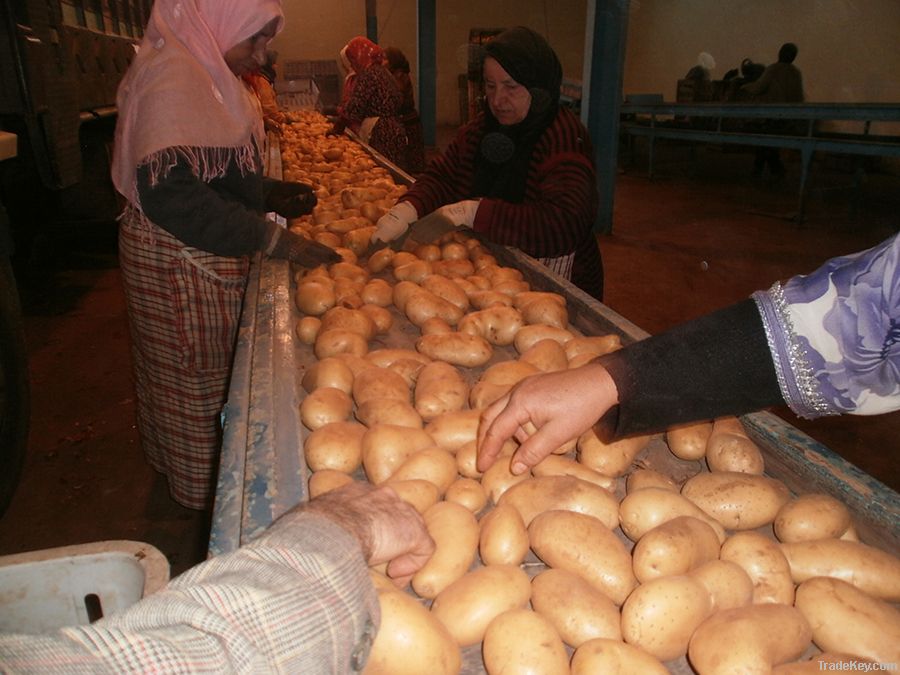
697,237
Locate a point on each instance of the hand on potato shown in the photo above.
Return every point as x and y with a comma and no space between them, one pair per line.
388,529
543,412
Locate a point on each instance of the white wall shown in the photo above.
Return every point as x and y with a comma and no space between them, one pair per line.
848,48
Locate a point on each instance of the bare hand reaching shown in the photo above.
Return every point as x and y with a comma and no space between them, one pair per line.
389,529
543,412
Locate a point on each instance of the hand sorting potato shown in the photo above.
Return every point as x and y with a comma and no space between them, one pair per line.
713,567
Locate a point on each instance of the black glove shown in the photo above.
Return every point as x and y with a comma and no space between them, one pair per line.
300,250
291,200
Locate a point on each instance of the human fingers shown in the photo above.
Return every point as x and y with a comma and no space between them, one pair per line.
499,422
398,533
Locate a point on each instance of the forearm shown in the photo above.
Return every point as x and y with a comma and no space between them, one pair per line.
199,215
298,599
714,366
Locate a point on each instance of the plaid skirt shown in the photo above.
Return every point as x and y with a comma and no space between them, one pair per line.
184,307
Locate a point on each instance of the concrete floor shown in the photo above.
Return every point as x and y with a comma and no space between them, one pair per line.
699,236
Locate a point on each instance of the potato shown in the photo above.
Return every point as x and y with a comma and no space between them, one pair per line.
460,349
498,479
422,494
440,388
429,252
324,480
674,547
308,329
870,569
765,564
749,639
315,296
385,357
453,429
358,240
377,292
730,449
445,288
555,465
380,260
323,406
388,411
350,271
466,458
432,464
498,325
470,603
403,291
546,355
337,341
377,384
688,441
846,620
403,258
411,640
522,641
811,516
644,509
728,584
508,372
454,251
485,299
386,446
739,501
610,459
528,335
643,478
661,615
412,271
602,655
583,545
578,611
595,346
468,492
435,325
382,319
453,268
503,537
335,446
455,533
546,310
546,493
328,372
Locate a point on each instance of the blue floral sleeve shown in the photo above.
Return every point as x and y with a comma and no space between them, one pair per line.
835,334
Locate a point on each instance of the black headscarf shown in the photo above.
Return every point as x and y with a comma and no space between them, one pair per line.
501,166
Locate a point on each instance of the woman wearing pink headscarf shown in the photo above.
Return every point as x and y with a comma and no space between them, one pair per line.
188,160
371,101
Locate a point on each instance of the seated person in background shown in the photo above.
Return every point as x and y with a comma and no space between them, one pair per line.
780,82
826,343
702,71
398,64
521,172
298,599
370,104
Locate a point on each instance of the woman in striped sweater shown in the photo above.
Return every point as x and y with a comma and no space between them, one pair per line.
522,172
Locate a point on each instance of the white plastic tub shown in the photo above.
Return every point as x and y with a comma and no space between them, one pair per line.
41,591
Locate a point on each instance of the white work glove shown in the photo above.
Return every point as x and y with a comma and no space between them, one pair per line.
395,222
461,213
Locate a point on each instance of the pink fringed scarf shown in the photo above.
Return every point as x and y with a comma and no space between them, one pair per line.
179,97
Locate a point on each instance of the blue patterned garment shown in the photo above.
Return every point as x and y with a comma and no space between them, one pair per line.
835,334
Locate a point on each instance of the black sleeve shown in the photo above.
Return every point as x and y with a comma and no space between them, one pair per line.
711,367
198,214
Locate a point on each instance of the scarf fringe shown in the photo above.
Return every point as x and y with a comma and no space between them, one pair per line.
206,164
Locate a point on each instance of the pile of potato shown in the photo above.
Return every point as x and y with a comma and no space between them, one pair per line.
593,562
